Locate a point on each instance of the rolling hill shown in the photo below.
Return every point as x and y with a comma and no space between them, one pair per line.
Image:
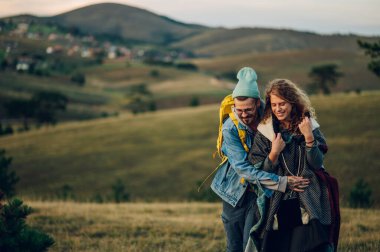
221,41
136,25
163,155
295,65
132,24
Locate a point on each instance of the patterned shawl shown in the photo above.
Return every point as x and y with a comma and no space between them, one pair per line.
315,197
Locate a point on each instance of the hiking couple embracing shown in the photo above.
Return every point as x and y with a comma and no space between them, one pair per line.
275,191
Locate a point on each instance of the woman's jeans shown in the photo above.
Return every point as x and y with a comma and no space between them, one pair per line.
238,221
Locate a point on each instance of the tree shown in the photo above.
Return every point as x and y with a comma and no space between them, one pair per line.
15,234
325,76
152,106
373,50
154,73
361,195
119,193
194,102
66,192
137,105
3,59
231,75
187,66
8,179
23,109
78,78
140,99
7,130
47,104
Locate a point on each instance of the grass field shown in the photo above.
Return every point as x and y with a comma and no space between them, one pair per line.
295,65
167,227
162,155
108,88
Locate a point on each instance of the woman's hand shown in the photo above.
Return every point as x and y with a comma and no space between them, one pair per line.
277,146
297,184
306,130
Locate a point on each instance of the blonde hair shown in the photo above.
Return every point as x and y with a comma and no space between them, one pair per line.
287,90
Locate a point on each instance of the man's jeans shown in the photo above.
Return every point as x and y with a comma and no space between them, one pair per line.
238,221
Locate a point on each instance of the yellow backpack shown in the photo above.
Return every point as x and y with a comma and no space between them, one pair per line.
225,111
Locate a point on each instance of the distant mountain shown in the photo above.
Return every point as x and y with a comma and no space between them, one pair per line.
141,26
221,41
128,22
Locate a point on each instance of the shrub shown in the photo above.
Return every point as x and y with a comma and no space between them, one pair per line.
187,66
97,198
66,192
194,102
361,195
152,106
119,194
15,234
154,73
8,179
78,78
231,75
8,130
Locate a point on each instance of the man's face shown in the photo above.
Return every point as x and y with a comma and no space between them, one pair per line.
246,110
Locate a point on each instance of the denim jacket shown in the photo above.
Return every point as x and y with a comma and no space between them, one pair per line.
226,183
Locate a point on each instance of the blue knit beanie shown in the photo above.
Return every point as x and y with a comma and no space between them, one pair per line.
247,85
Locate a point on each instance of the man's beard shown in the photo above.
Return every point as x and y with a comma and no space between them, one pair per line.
249,119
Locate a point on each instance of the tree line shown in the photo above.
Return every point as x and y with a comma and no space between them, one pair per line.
41,108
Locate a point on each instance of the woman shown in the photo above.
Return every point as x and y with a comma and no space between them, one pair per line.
289,143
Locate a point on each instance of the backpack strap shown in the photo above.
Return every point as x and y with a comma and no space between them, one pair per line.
242,133
204,181
225,111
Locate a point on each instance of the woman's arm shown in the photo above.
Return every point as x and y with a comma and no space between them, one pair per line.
314,152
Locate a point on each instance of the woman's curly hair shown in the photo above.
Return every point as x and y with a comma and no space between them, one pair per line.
289,91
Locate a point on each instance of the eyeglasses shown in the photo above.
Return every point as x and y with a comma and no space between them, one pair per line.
241,111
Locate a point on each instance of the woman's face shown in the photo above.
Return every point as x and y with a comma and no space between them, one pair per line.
280,108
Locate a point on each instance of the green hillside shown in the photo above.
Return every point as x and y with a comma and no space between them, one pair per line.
109,87
170,88
296,65
221,41
162,155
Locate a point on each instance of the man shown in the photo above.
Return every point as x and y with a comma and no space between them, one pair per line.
232,180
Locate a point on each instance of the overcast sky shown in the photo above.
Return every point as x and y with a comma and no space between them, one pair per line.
321,16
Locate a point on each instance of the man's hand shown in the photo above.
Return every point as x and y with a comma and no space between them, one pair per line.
297,184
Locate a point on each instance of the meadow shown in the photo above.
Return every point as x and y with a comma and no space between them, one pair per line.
295,65
138,227
163,155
